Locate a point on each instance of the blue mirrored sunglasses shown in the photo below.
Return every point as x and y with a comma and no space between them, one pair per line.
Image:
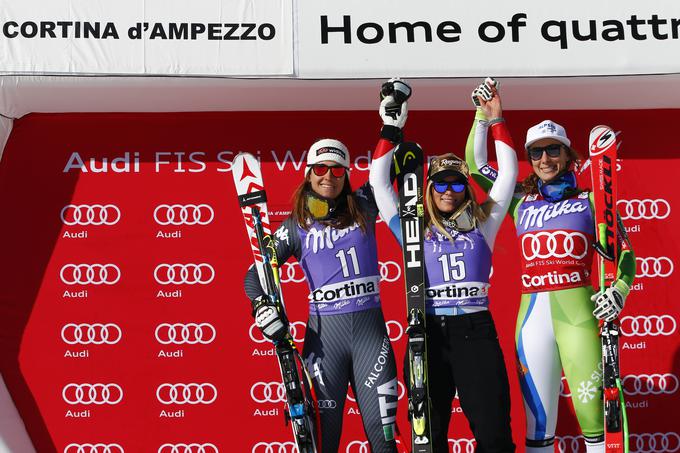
443,186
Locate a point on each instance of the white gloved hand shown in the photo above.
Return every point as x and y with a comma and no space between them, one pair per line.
268,319
485,91
390,115
610,302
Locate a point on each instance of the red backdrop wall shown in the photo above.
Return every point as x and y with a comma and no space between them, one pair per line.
65,269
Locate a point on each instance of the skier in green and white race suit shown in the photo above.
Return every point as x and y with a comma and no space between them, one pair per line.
557,324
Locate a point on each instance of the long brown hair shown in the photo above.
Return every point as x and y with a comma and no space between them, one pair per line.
348,216
530,183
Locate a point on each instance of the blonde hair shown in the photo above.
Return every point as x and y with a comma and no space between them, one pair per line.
434,217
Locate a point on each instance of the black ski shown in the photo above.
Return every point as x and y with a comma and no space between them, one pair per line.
408,165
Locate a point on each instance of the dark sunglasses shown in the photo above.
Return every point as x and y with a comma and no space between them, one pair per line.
441,187
551,150
321,169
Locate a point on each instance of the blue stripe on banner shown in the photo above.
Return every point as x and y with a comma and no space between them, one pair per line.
527,383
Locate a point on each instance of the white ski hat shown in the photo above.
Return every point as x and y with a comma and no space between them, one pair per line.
327,149
547,129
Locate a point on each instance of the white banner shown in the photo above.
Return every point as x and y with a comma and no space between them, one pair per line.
443,38
147,37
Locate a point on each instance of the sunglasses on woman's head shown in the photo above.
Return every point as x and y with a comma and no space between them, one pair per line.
551,150
443,186
321,169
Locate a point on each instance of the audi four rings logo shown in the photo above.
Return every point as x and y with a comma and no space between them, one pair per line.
661,266
190,333
84,214
191,393
292,273
639,443
274,447
394,330
93,448
402,392
390,271
644,209
90,274
183,214
268,392
92,394
326,404
654,442
296,328
188,448
651,325
650,384
462,445
91,333
189,274
554,244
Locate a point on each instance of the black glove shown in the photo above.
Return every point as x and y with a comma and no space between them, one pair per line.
268,318
393,110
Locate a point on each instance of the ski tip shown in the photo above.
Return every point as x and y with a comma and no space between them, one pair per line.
243,155
599,127
408,154
601,138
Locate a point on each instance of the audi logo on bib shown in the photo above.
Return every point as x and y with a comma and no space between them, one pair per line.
183,214
188,448
650,384
327,404
296,328
268,392
651,325
554,244
645,209
184,274
91,333
274,447
292,273
390,271
661,266
92,394
84,215
90,274
93,448
190,333
191,393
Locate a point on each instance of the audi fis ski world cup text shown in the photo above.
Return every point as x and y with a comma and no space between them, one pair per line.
191,162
